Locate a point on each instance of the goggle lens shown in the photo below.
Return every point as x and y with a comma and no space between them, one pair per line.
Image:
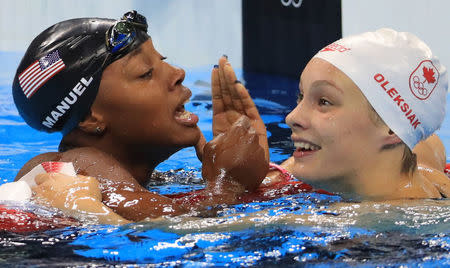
123,32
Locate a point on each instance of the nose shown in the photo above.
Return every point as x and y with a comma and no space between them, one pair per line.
177,76
298,119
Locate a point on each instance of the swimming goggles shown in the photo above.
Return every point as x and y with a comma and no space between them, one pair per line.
123,33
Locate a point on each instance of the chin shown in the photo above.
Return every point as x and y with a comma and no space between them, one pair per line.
303,172
311,176
189,138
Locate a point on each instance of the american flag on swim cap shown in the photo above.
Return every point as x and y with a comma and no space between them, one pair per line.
33,77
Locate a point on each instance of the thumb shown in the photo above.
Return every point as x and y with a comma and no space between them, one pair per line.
200,146
41,178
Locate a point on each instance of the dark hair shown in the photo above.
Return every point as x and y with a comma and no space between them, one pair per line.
409,159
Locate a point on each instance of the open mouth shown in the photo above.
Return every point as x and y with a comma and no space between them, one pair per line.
185,117
306,146
181,112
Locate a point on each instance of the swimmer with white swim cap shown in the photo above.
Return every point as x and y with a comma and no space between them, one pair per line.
367,109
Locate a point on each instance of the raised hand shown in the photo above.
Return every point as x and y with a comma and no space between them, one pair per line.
230,101
234,159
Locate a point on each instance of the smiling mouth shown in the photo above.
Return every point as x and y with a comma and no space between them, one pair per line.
306,146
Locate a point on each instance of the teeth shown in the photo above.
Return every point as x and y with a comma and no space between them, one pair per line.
306,146
185,115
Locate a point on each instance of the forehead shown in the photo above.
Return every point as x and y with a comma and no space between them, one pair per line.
139,57
141,53
320,70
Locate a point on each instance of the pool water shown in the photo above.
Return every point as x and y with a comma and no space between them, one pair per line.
306,229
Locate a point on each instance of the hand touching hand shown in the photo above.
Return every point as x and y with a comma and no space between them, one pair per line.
230,101
235,159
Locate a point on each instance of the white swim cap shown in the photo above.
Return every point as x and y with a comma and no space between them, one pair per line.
400,77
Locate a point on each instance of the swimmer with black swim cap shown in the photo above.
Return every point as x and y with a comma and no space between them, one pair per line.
71,56
120,108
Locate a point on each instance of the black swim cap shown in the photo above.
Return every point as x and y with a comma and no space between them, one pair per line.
59,76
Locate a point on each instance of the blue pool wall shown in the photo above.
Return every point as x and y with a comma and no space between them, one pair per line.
192,34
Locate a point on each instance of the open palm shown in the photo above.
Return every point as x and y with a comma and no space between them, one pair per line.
230,101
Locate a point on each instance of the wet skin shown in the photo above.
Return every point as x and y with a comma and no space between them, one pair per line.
328,100
139,110
339,146
332,115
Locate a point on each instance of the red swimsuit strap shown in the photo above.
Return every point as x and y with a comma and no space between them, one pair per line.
447,170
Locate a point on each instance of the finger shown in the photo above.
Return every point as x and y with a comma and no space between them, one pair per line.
239,129
217,100
37,190
83,178
252,112
248,105
231,86
87,180
62,178
41,178
199,146
226,95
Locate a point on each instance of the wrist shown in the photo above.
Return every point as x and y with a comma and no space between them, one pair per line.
228,187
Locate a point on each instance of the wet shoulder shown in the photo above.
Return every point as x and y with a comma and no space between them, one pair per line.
50,156
89,161
437,178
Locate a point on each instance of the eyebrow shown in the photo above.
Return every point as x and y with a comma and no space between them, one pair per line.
133,54
319,83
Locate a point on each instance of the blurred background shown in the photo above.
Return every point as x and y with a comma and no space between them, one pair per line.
195,33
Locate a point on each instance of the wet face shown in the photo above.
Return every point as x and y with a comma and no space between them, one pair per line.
141,100
334,136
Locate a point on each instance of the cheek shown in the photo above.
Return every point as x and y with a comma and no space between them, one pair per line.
347,135
139,114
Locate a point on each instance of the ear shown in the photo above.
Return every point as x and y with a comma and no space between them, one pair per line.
391,138
93,124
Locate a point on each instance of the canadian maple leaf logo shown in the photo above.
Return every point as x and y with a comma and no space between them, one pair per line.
424,79
428,73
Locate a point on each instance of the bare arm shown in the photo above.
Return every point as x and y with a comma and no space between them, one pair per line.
431,159
51,156
123,195
431,153
236,160
78,197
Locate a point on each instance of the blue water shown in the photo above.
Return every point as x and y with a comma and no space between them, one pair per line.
299,230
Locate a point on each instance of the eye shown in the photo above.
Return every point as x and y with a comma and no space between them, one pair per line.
299,97
324,102
163,58
147,75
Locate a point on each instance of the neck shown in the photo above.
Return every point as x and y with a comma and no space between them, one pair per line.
381,176
139,160
382,179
